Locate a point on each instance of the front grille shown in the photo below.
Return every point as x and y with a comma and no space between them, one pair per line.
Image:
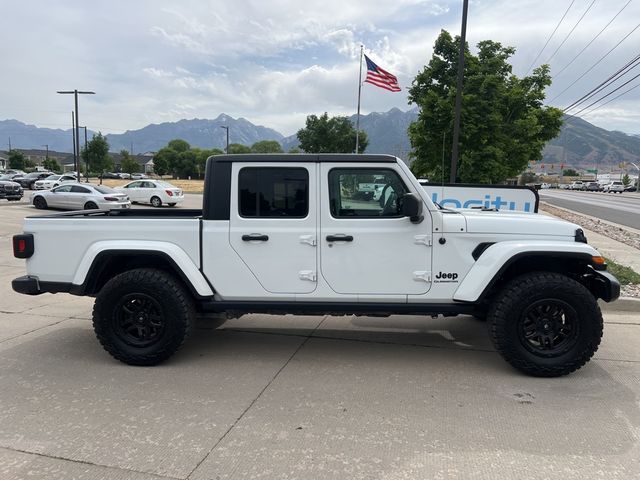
11,188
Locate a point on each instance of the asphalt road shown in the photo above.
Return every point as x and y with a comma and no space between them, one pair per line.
614,207
291,397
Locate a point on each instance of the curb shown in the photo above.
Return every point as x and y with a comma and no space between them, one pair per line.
623,304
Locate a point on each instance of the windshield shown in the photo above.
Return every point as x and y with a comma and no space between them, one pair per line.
53,177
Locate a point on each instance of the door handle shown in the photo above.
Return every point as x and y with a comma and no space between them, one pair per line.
255,237
339,238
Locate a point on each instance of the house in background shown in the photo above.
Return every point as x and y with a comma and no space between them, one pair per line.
145,160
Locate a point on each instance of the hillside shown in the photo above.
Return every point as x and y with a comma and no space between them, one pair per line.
587,146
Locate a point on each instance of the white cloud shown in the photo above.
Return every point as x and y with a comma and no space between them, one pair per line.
273,61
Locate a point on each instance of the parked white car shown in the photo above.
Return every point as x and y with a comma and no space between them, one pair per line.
576,185
155,192
76,196
614,187
53,181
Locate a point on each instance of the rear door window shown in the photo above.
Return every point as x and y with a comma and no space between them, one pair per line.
273,192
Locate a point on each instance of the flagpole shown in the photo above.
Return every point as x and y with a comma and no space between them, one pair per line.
359,92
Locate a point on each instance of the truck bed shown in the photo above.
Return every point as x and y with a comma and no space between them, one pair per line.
132,212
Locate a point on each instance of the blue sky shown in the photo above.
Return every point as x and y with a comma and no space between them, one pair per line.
274,62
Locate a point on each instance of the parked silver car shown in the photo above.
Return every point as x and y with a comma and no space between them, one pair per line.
53,181
74,196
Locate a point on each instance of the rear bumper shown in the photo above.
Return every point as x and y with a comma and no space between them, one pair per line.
33,286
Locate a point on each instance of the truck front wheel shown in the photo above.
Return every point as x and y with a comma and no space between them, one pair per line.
143,316
545,324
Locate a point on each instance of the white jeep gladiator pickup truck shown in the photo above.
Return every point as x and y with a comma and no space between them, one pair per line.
295,234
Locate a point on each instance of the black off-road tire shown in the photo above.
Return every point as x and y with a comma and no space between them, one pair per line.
143,316
545,324
40,203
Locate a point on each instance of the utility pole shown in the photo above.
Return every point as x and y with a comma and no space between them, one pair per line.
227,129
458,105
76,144
9,144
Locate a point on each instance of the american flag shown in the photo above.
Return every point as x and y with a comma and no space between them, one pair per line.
380,78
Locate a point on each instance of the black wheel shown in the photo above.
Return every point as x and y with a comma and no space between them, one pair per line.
171,204
90,206
40,203
143,316
545,324
156,202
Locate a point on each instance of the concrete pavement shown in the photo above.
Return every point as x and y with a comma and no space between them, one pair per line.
303,397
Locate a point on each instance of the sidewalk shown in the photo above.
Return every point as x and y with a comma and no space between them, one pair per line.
617,251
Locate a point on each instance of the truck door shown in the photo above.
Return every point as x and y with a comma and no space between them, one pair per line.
273,224
366,246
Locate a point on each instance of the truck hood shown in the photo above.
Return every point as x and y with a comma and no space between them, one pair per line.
517,223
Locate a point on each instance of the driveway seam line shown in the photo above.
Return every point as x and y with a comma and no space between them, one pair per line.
253,402
84,462
34,330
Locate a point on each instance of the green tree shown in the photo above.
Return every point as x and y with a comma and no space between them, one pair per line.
235,148
52,165
570,172
29,164
179,145
128,164
201,158
96,154
504,124
330,135
16,160
266,146
161,161
294,150
626,181
528,177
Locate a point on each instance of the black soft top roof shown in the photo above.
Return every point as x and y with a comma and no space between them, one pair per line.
304,157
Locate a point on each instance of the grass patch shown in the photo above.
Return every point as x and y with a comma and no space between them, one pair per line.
625,275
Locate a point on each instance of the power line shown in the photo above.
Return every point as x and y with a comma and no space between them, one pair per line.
612,78
612,99
592,40
571,31
595,64
550,37
605,96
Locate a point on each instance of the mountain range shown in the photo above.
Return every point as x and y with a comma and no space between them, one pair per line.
587,146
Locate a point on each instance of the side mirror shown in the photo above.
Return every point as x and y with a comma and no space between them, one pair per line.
412,208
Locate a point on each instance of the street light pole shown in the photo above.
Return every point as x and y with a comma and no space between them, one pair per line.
227,129
86,160
75,93
73,134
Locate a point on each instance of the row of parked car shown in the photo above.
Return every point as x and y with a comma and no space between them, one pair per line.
65,192
610,187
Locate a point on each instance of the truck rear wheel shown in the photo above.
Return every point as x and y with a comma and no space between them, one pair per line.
143,316
545,324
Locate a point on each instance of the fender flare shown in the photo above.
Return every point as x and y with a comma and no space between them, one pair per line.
185,266
499,256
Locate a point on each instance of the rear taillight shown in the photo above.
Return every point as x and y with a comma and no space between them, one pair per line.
23,245
169,192
111,199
